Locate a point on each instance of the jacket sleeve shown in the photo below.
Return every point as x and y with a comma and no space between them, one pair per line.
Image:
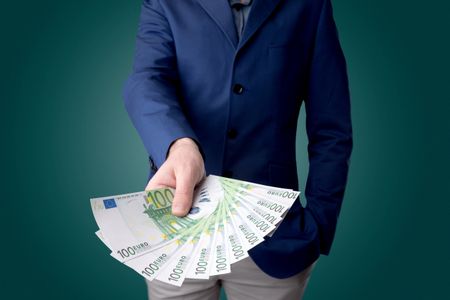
329,130
151,93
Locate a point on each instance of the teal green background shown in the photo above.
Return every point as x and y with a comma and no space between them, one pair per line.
66,138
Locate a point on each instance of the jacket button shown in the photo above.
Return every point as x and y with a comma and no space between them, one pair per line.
232,133
238,89
227,173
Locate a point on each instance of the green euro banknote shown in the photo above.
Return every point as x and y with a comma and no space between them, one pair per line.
136,223
228,218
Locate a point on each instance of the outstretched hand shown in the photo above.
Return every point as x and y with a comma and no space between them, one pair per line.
183,170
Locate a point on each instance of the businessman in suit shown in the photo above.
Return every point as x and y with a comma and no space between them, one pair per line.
216,88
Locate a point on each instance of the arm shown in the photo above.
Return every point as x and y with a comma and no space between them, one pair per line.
329,130
151,92
151,97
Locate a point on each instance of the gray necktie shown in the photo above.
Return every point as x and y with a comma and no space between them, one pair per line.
237,6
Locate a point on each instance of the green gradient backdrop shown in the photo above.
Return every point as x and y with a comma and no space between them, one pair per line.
66,137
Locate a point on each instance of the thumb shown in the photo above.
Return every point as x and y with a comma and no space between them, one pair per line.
182,200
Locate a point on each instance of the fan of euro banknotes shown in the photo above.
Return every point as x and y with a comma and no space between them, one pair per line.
228,217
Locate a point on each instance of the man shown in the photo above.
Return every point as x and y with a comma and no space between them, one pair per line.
216,88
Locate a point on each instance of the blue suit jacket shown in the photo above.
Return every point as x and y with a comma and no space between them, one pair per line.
240,101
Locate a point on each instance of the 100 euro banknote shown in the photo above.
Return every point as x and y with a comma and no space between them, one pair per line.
228,218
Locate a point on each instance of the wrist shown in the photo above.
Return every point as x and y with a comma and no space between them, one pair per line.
183,143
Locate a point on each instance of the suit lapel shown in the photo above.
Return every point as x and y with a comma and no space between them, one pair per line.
259,12
220,12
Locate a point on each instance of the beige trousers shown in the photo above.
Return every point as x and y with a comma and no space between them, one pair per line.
245,282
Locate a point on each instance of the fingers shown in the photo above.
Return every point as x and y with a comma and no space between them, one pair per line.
184,191
154,184
182,170
162,179
184,185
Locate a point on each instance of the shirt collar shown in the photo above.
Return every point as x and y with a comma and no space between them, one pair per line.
240,2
